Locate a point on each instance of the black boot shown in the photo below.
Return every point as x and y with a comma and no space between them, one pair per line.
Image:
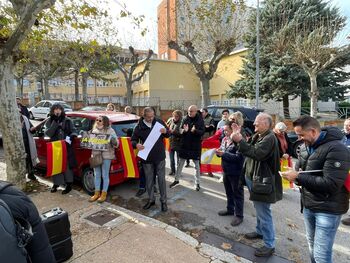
67,189
54,188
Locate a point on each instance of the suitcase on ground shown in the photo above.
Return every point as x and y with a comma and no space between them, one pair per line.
57,226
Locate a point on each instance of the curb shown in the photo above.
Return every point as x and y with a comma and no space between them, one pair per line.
215,254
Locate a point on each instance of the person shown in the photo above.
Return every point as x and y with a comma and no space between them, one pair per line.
128,110
284,144
208,123
23,109
102,126
155,161
29,146
39,248
232,163
224,118
324,163
110,107
192,130
174,125
346,140
59,127
261,167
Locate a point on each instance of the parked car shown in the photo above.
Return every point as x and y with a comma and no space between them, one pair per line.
122,123
296,143
93,108
249,115
41,110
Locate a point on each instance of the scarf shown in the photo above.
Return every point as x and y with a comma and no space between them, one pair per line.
283,142
32,146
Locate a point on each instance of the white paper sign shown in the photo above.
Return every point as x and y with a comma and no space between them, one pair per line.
150,141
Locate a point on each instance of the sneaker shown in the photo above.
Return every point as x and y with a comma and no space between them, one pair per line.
346,221
236,221
187,165
172,173
174,184
140,192
164,207
253,235
225,213
67,189
32,177
264,251
198,187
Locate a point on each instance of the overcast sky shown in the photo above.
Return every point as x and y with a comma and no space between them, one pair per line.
149,9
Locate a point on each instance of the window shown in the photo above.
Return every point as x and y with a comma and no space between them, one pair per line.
47,105
81,124
123,129
40,104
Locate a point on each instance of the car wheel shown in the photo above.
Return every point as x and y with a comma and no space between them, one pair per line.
88,181
296,148
31,116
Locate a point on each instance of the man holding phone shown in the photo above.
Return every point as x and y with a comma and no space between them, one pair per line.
325,163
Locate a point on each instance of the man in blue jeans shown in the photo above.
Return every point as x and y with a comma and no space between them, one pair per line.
261,166
323,165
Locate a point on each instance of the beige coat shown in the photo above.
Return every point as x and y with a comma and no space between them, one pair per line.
110,154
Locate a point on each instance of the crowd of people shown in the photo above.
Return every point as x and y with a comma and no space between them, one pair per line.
252,160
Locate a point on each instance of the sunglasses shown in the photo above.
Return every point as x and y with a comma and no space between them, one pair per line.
98,120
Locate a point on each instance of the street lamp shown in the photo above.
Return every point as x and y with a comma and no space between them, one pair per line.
257,56
181,87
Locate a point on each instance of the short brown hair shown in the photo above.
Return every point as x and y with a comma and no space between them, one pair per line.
307,122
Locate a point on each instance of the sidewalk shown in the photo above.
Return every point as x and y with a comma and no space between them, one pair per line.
108,233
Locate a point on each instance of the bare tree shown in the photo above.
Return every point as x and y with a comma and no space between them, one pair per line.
128,69
27,12
207,31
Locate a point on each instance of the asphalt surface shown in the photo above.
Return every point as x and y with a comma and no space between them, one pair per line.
196,213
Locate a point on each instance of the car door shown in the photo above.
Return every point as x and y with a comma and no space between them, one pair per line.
37,109
46,109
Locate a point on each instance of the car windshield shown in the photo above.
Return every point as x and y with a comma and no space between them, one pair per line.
65,106
124,129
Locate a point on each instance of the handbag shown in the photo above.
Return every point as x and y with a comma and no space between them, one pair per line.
96,160
262,180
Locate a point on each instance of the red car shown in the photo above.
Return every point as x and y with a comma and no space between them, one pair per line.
123,125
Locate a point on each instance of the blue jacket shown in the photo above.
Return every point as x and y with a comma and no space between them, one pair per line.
231,160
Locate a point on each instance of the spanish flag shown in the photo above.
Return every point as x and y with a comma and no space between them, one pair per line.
167,144
128,157
56,157
210,162
284,164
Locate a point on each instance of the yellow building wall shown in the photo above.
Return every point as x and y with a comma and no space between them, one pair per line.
226,74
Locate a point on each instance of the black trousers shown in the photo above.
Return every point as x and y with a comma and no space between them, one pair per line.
235,194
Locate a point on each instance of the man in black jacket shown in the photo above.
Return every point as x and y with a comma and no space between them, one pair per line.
192,130
325,164
39,249
261,168
155,162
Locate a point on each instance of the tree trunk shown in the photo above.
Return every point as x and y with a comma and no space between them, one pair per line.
85,76
76,85
11,128
21,87
205,86
129,93
313,95
46,89
286,106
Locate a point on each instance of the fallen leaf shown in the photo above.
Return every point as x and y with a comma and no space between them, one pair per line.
226,245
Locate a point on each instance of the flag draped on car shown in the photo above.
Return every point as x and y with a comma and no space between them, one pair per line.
128,157
56,157
210,162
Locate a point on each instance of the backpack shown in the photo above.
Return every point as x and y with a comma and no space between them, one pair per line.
15,234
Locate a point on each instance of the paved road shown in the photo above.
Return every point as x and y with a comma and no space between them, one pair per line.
196,213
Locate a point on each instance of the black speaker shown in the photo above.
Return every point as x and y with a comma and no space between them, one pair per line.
57,226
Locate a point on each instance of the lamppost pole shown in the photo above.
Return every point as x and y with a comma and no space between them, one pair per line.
257,56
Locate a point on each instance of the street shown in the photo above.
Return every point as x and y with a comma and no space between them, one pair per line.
196,213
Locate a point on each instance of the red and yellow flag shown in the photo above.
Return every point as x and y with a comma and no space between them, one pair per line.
128,157
56,157
167,144
284,164
210,162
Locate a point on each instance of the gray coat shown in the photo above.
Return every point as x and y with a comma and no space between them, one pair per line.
262,164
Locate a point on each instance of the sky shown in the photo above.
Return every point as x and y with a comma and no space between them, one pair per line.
148,8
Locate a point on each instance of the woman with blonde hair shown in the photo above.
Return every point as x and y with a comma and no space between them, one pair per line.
110,107
102,126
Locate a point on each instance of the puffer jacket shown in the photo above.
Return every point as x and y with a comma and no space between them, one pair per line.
325,191
110,153
262,159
